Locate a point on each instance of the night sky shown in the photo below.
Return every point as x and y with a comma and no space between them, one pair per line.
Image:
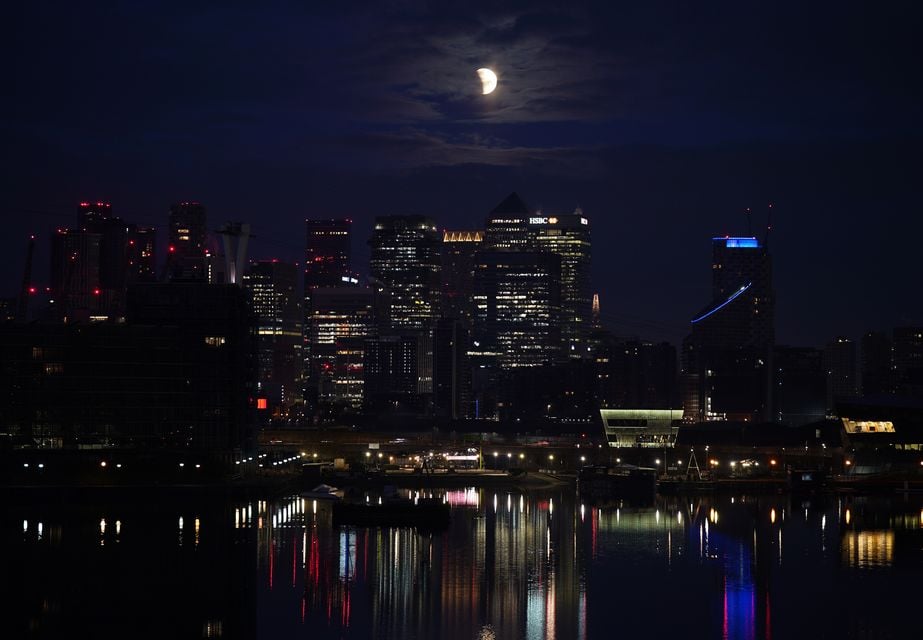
663,122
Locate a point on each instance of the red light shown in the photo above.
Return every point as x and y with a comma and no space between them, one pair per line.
261,403
31,289
131,242
172,248
84,204
96,292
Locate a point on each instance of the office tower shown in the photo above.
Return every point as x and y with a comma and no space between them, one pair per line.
327,260
907,361
341,321
141,254
327,256
840,364
876,364
97,217
90,214
511,226
799,385
405,259
568,236
507,226
452,372
398,373
273,290
75,282
727,359
187,236
636,374
517,297
458,257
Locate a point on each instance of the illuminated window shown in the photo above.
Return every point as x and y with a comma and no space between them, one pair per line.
214,341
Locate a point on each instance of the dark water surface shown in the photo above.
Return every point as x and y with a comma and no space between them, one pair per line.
511,565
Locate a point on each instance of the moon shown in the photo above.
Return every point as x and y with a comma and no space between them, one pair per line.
488,80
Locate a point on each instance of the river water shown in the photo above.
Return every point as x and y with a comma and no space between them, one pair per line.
511,565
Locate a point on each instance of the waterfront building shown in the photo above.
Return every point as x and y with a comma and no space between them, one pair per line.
727,358
651,428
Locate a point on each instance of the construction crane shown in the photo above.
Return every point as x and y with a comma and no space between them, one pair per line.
22,308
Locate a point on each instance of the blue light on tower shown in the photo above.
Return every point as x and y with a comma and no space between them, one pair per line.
739,243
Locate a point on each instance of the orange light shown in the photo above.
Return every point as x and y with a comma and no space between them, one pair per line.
261,403
772,462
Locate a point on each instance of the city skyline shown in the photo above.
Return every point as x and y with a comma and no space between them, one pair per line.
663,125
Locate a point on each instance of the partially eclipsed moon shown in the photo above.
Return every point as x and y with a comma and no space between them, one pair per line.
488,80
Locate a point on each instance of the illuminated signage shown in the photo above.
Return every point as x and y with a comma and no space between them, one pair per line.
543,220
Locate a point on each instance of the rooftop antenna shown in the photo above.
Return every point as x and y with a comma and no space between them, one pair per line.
768,227
749,224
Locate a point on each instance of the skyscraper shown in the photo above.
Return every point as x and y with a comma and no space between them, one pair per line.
568,236
273,291
727,359
141,254
75,281
840,365
875,364
341,321
327,256
907,361
517,298
405,259
507,226
327,260
458,256
187,235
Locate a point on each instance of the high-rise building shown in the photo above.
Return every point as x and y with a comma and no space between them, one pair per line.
840,364
398,373
458,258
875,364
517,298
405,259
512,227
341,321
187,237
327,260
907,361
273,287
636,374
727,359
141,254
568,236
97,217
75,282
328,253
799,385
507,226
452,372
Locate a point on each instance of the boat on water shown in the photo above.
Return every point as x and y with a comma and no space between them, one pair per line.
323,492
423,513
623,482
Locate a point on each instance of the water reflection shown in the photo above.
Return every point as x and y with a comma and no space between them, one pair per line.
511,565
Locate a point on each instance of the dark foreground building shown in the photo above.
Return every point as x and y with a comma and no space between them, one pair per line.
178,375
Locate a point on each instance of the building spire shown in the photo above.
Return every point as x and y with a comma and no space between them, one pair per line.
595,310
